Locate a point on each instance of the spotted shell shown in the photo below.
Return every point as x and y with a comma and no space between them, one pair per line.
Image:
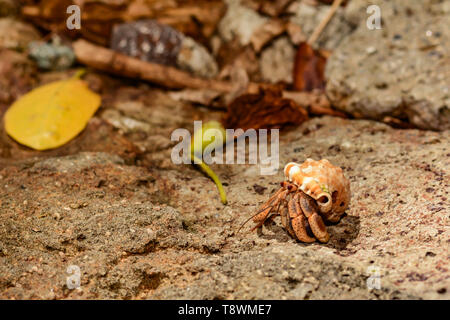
324,182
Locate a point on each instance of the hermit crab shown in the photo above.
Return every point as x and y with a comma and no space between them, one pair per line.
313,192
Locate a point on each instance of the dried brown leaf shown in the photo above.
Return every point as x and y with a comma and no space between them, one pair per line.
266,109
309,69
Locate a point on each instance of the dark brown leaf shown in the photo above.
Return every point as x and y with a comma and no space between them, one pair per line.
309,69
266,109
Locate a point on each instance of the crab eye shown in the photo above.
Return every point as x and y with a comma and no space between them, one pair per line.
323,199
342,204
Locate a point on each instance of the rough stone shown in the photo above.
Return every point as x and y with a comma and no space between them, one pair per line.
16,35
159,232
401,70
195,58
277,61
308,18
240,22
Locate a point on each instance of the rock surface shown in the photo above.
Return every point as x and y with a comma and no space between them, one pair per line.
239,22
16,35
308,17
277,61
401,70
112,203
160,231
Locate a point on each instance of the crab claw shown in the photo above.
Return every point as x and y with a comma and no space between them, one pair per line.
298,221
318,228
309,208
300,226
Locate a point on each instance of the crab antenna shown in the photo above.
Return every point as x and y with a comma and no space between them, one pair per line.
269,206
261,223
271,201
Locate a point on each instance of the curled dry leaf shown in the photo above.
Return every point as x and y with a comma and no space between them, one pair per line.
266,109
309,68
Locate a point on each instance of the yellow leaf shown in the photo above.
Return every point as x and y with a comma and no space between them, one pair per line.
51,115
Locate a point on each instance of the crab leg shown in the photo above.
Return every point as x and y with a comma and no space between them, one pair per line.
267,206
298,221
286,221
315,221
261,217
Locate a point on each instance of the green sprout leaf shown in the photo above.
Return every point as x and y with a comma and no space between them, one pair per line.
199,142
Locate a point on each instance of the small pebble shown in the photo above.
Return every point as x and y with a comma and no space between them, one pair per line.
371,50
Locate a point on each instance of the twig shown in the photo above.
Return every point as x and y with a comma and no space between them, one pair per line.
113,62
316,33
110,61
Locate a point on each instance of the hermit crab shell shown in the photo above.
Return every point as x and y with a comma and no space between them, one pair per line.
324,182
